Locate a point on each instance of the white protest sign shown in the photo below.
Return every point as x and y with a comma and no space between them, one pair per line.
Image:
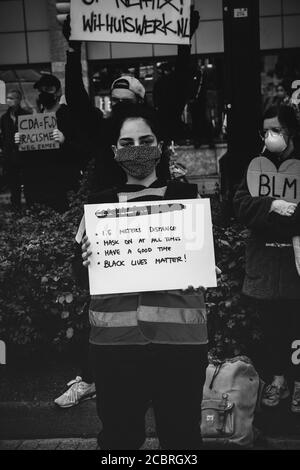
264,179
148,246
36,131
139,21
2,92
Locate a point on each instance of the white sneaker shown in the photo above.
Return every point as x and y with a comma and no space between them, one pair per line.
77,392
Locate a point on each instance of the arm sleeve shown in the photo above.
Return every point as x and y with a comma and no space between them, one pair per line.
80,273
77,97
182,74
255,213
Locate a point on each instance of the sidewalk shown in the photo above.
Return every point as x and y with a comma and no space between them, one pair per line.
62,444
150,444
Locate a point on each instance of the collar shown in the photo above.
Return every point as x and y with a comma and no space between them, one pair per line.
159,183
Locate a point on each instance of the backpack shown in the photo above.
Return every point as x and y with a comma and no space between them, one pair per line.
230,396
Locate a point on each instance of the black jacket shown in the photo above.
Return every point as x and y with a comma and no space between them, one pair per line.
49,174
8,129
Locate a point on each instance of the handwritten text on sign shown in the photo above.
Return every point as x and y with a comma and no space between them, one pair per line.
36,131
264,179
139,21
146,246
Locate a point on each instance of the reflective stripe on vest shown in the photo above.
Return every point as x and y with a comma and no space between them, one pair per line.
172,317
147,314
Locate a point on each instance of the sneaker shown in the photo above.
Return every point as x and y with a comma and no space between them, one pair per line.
273,394
295,406
77,392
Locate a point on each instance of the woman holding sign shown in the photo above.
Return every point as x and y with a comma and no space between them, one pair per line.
148,346
268,203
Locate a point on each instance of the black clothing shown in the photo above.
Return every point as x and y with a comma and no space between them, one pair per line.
97,130
12,166
270,272
170,95
50,174
279,335
128,377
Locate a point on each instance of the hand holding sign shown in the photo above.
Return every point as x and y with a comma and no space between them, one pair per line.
76,45
146,246
58,136
36,132
283,208
86,253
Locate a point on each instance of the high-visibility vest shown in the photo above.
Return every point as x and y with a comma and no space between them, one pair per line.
170,317
166,317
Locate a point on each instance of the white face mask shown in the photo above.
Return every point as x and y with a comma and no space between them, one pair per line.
275,143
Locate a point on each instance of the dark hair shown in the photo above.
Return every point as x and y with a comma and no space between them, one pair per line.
283,85
123,111
286,116
15,91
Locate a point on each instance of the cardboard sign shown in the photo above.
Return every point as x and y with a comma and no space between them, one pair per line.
36,132
139,21
148,246
263,179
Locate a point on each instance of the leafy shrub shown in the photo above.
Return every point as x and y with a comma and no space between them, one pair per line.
41,306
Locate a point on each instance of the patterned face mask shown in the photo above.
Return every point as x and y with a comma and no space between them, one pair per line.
138,161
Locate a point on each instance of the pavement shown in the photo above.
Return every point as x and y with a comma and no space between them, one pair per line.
44,426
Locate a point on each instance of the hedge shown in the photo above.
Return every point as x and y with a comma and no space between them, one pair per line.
42,308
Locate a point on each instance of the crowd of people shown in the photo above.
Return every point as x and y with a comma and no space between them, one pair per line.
135,357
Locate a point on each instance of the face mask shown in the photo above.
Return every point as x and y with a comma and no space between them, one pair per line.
275,143
138,161
47,99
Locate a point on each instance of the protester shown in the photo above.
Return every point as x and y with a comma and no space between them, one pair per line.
281,96
99,131
136,358
271,274
50,174
12,164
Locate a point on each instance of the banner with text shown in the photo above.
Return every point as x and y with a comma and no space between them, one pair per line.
143,21
36,132
146,246
264,179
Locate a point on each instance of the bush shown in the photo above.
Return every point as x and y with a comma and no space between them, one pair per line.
42,308
40,304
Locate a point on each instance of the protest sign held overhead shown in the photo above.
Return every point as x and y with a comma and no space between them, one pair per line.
148,246
264,179
138,21
36,132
